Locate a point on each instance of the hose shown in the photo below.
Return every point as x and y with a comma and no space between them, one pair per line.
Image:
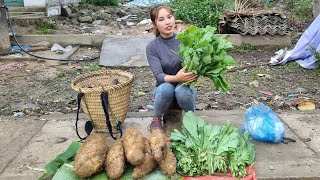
15,39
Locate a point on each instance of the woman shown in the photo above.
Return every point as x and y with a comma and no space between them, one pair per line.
165,63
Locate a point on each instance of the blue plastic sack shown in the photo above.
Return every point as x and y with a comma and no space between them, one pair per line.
263,124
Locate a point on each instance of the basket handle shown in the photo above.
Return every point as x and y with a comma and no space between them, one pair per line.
105,104
88,125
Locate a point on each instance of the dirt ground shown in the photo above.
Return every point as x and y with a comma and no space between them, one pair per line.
43,87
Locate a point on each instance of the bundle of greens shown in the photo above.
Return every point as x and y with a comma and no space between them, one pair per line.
202,149
204,53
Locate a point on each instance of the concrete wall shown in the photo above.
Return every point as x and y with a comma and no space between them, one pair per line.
97,40
37,3
44,3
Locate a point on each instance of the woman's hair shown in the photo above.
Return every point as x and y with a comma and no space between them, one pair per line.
154,15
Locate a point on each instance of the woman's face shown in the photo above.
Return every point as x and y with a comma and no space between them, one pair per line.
165,23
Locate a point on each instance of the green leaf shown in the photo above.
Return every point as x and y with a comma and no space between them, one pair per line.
215,130
100,176
70,152
229,61
216,70
52,167
189,123
220,83
66,172
208,36
177,136
206,59
219,57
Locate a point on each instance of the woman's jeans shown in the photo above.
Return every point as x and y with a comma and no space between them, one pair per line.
165,94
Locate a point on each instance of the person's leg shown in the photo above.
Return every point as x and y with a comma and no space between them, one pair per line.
163,96
173,113
186,97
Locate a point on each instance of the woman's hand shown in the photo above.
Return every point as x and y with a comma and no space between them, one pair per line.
182,76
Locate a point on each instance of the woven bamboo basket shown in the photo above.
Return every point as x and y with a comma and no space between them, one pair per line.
116,83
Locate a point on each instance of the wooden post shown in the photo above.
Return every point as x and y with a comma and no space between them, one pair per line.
4,31
316,8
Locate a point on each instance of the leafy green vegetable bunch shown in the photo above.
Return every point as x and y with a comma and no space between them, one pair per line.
203,149
204,53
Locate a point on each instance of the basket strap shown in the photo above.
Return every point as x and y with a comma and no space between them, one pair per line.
78,111
105,105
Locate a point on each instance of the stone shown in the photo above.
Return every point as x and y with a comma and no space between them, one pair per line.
74,21
83,19
73,15
145,22
99,22
121,13
125,17
254,83
66,11
106,16
131,24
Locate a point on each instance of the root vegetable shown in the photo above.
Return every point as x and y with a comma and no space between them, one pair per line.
147,145
90,157
168,164
115,160
134,146
148,165
158,145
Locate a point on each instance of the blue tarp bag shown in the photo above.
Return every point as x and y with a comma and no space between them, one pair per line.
263,124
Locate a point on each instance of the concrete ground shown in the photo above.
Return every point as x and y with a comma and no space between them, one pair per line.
28,143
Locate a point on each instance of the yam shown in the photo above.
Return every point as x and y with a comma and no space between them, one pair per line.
115,161
90,157
158,144
147,145
148,165
134,146
168,164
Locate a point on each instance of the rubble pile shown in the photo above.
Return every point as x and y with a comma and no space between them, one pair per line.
259,22
108,13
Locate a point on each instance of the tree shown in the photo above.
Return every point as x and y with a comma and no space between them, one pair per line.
316,8
4,31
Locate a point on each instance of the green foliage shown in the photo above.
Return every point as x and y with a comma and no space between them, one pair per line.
66,172
316,54
244,48
44,27
204,53
202,149
301,9
89,67
104,2
61,75
200,13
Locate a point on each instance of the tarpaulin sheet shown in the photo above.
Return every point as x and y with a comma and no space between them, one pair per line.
301,52
146,3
